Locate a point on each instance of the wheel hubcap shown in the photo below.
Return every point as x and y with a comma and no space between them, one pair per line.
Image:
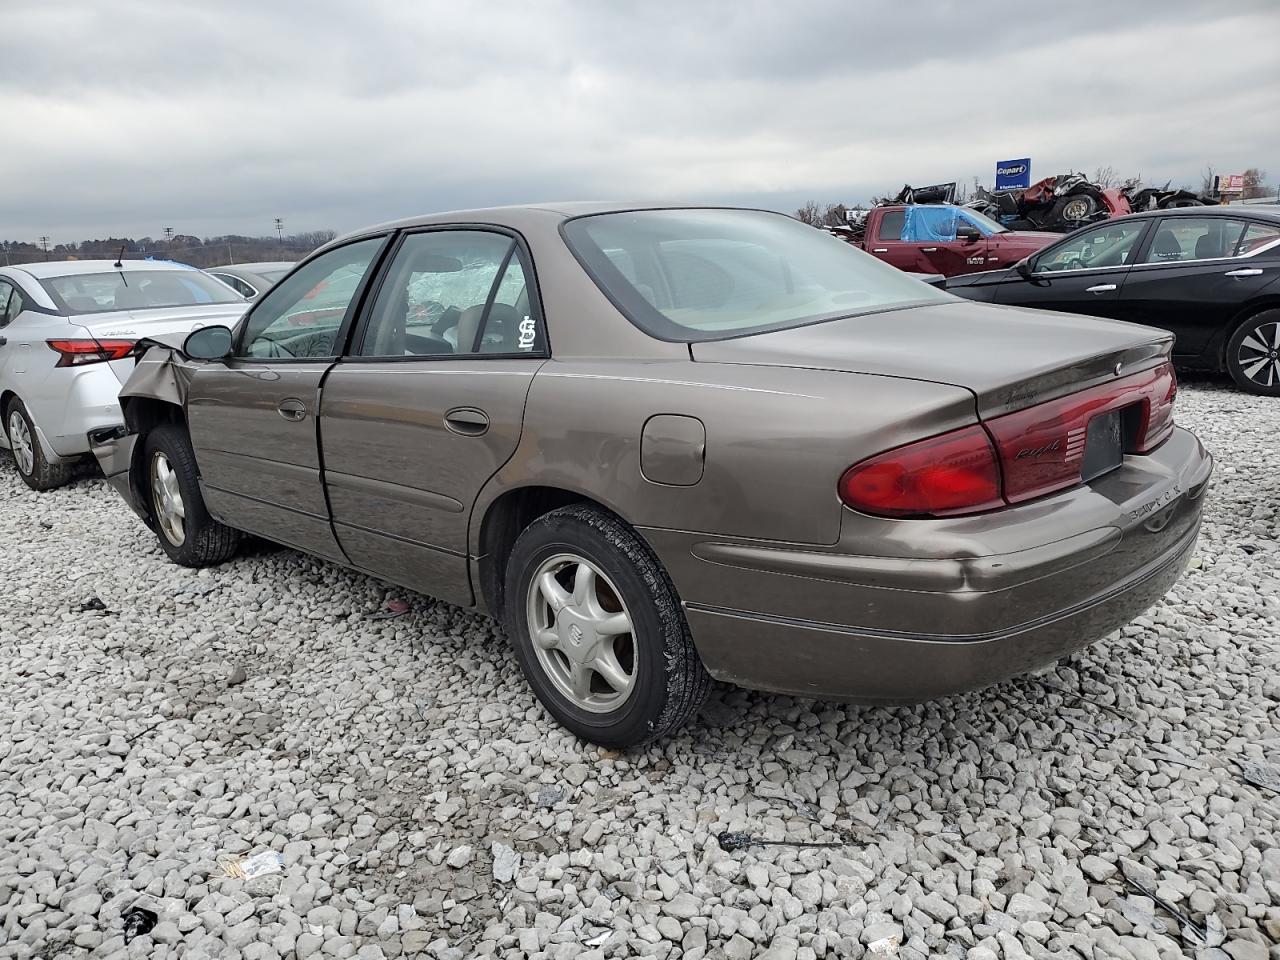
1259,355
1075,210
166,499
582,633
22,444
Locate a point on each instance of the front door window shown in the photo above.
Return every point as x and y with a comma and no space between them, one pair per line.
300,318
1111,245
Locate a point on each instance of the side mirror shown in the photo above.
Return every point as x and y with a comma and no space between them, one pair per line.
1023,268
968,234
208,343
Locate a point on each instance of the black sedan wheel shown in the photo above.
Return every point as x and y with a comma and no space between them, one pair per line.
1253,354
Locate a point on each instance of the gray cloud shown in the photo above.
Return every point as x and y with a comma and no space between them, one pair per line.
126,117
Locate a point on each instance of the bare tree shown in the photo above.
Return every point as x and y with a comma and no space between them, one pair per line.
1206,179
835,215
810,213
1255,184
1105,176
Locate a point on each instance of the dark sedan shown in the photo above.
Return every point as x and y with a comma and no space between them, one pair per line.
1211,275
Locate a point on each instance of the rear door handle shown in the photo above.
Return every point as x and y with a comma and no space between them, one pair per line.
1245,272
880,250
292,410
928,249
467,421
1101,288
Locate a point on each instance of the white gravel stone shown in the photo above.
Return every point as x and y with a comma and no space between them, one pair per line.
425,805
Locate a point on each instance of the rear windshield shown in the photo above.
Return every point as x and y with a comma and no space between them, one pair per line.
274,275
693,275
136,290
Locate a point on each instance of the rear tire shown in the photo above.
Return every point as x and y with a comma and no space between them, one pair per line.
34,469
179,517
1253,354
663,680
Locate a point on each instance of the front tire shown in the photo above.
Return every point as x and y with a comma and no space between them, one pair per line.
34,469
598,629
181,521
1253,354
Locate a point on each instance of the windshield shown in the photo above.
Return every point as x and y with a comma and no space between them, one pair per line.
692,275
982,221
136,290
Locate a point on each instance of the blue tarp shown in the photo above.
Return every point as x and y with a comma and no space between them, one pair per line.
925,224
934,223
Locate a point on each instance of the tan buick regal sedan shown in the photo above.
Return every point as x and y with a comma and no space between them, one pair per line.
666,445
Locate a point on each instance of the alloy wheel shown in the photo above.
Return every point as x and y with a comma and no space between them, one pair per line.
582,633
1258,355
22,443
166,500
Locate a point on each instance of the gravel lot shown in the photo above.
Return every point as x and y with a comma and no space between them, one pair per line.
424,804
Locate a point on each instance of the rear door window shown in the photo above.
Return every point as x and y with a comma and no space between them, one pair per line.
1179,239
452,293
891,223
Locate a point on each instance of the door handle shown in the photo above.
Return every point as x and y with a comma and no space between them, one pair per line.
928,249
1245,272
467,421
292,410
1101,288
880,250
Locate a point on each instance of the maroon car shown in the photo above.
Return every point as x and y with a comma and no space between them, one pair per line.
946,239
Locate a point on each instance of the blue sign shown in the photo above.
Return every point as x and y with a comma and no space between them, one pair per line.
1013,174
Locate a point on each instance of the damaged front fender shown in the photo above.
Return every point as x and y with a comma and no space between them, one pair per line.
156,392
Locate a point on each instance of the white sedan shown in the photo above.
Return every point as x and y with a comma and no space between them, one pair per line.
67,332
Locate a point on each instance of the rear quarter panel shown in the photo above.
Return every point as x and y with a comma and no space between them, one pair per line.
777,440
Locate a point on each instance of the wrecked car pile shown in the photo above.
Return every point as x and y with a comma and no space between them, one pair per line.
1057,204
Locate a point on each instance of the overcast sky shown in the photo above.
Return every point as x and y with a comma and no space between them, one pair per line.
124,117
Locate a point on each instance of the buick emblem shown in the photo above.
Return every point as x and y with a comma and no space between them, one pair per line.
1119,367
575,634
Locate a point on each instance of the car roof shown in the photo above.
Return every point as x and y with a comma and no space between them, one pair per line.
70,268
1270,211
515,215
257,267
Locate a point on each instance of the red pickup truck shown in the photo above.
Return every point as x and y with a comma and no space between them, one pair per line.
943,238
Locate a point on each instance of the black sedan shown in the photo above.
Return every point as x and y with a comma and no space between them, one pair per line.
1211,275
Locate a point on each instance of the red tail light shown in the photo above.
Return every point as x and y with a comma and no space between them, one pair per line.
1012,458
1042,448
76,353
953,473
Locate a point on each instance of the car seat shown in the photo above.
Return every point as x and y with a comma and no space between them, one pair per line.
1166,246
1209,245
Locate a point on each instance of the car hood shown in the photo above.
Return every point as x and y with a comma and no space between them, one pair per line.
1028,241
979,278
171,323
1008,357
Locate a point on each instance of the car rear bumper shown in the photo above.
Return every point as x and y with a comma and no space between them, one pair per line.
903,611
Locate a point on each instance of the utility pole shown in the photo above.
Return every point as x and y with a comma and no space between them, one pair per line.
168,235
44,242
280,233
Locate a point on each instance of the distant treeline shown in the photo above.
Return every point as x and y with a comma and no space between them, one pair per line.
209,252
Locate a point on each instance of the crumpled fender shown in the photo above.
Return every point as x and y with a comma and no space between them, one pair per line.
162,373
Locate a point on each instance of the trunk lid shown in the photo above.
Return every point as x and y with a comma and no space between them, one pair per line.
1008,357
160,321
